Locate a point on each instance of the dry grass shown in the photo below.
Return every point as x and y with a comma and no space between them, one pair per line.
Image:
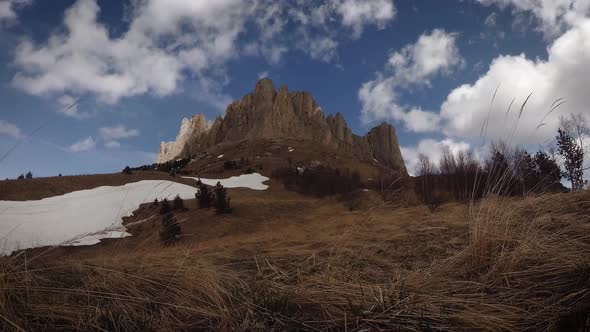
524,266
39,188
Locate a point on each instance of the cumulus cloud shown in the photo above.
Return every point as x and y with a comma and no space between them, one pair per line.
84,145
357,13
263,74
117,132
10,129
433,54
112,135
433,149
169,41
553,15
68,106
8,9
565,74
112,144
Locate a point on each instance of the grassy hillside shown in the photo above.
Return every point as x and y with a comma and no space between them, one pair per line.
283,261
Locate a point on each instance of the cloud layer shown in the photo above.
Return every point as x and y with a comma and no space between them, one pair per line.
8,10
110,136
10,129
433,54
553,15
170,40
565,74
84,145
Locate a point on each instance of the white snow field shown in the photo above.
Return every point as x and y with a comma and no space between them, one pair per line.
253,181
80,217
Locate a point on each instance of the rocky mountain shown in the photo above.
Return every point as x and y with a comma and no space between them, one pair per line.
190,130
267,113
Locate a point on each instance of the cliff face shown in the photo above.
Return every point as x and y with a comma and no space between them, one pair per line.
270,114
191,131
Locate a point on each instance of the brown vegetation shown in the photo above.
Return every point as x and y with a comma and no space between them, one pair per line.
503,264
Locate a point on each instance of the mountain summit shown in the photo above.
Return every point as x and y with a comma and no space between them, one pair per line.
269,114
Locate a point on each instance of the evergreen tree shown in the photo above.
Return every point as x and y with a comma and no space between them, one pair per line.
222,200
165,207
547,170
29,175
127,170
178,203
524,171
203,196
170,230
21,177
573,156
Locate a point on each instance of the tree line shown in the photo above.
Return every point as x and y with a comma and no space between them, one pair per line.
506,171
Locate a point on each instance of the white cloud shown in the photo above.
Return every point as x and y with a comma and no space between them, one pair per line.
117,132
8,9
431,148
170,40
263,74
357,13
112,135
322,48
112,144
553,15
83,145
68,106
433,54
10,129
565,74
109,135
415,65
491,20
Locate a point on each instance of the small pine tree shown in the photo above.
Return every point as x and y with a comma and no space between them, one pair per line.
127,170
165,207
21,177
29,175
222,200
170,230
203,196
178,203
155,202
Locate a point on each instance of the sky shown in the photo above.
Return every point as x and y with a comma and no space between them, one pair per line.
90,86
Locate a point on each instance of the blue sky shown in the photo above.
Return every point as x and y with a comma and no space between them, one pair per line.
429,67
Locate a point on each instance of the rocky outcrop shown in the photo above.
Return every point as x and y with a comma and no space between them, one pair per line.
267,113
384,146
191,130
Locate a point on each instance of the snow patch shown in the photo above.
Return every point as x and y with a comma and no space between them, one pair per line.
92,239
81,217
253,181
220,156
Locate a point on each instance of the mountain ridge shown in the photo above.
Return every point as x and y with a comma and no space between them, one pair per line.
268,113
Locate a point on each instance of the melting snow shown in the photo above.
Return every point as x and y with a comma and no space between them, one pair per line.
252,181
220,156
87,216
81,217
